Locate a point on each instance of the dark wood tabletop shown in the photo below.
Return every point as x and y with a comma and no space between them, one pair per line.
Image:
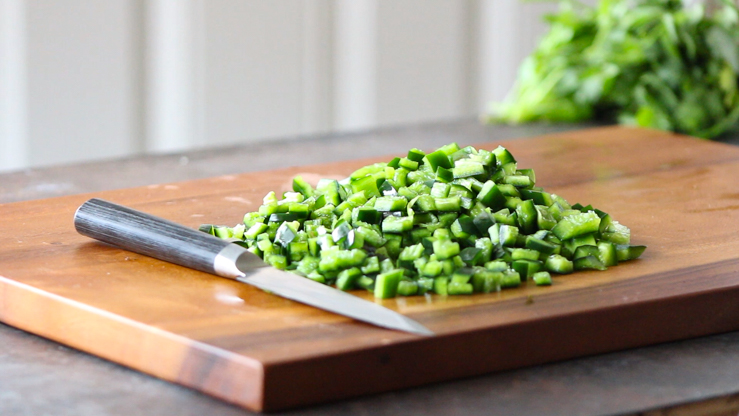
39,377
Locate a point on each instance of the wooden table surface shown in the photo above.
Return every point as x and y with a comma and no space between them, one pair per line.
694,377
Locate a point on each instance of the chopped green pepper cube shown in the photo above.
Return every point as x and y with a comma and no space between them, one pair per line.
371,265
300,185
527,214
366,282
439,159
491,196
316,277
445,249
416,155
539,197
558,264
425,203
329,188
386,284
390,203
440,190
544,219
297,250
458,288
617,234
496,266
409,254
407,288
464,170
366,184
440,285
519,181
589,262
396,225
347,278
449,149
576,225
626,252
503,156
526,268
285,234
542,278
485,281
507,235
444,175
586,250
432,268
511,278
607,253
408,164
425,285
524,254
541,246
472,256
369,215
448,204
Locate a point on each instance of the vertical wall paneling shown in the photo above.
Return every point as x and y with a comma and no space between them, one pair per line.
14,152
471,75
497,54
421,60
473,86
81,81
355,63
85,79
137,69
253,69
317,108
172,68
508,31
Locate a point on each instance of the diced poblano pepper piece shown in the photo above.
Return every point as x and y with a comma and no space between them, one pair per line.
445,249
347,278
407,288
300,185
386,284
627,252
558,264
390,203
576,225
542,278
396,225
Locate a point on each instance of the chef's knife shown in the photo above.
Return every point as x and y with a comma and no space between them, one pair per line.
165,240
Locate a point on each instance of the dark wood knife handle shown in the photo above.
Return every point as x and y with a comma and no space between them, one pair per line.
148,235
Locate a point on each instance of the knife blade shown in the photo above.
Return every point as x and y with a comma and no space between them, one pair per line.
166,240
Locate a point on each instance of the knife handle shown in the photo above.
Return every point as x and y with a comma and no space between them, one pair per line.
156,237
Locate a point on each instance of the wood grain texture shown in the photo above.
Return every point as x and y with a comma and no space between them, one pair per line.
679,196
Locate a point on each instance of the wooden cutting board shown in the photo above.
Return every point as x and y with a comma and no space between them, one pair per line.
679,196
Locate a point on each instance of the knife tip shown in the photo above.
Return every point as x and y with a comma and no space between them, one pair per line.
416,328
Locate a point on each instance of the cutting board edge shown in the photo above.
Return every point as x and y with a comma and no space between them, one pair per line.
134,345
200,366
583,332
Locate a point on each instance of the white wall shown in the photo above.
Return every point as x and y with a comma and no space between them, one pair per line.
87,79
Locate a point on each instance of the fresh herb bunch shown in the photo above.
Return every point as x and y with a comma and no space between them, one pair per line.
654,63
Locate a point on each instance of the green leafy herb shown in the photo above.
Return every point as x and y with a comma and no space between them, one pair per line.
654,63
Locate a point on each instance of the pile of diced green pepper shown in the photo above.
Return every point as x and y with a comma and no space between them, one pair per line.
455,221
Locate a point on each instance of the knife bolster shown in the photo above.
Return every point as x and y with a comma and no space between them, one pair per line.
235,261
